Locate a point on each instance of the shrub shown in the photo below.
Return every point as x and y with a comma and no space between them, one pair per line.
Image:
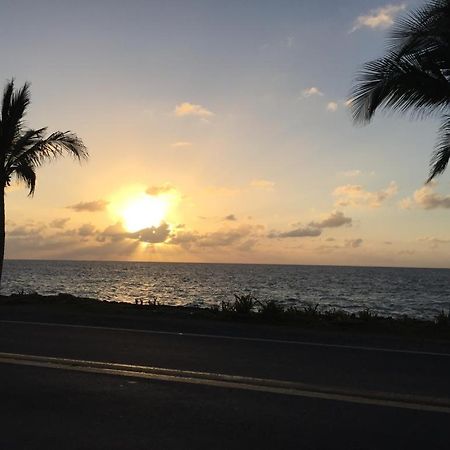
443,319
367,314
244,303
271,310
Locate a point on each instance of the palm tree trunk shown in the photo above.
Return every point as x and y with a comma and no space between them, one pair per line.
2,231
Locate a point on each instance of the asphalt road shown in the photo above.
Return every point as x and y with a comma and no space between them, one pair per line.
45,407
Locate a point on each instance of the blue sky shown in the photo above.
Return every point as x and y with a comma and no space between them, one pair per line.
216,100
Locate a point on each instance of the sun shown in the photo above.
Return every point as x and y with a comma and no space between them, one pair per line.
143,211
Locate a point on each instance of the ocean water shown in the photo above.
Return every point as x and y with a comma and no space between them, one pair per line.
388,291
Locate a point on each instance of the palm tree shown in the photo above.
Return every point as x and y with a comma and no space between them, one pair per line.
22,150
413,77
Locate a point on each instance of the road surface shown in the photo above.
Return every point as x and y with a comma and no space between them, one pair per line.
77,386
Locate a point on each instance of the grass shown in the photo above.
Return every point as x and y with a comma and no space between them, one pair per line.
243,308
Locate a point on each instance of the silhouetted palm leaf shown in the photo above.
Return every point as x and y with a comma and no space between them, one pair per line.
23,150
441,155
414,76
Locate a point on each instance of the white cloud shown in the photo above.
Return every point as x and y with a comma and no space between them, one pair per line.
356,195
426,198
356,173
378,18
190,109
352,173
332,106
311,92
266,185
182,144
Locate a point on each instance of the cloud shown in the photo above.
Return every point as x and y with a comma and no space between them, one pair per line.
297,232
356,195
26,231
230,217
59,223
262,184
332,106
356,173
352,173
311,92
335,220
114,232
95,206
86,230
160,189
242,238
151,235
182,144
353,243
379,18
190,109
426,198
434,242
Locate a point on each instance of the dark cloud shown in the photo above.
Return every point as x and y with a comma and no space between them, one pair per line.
160,189
314,229
298,232
230,217
95,206
26,230
86,230
335,220
152,235
59,223
243,238
353,243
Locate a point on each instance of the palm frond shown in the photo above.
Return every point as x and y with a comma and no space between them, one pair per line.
14,107
426,29
24,142
441,155
55,145
403,84
26,173
6,101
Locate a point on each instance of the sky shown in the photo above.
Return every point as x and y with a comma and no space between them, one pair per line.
218,132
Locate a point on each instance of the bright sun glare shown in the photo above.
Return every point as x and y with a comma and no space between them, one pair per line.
144,211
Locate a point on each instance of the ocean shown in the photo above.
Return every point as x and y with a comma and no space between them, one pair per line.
421,293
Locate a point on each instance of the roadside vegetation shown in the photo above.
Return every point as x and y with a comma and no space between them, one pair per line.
243,308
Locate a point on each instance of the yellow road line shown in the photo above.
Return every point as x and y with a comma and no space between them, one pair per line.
418,403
